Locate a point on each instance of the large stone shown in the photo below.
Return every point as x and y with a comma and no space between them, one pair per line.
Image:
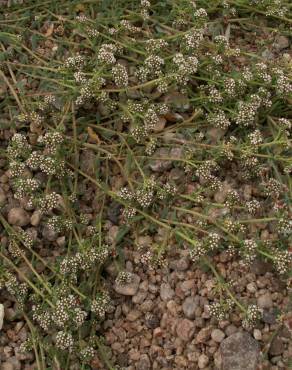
18,216
204,335
239,352
144,363
166,293
217,335
88,162
281,42
130,288
265,301
185,329
189,307
161,163
277,347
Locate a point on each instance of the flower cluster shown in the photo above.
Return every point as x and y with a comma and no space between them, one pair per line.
100,305
120,75
253,314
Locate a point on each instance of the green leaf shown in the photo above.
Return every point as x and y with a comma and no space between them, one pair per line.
123,230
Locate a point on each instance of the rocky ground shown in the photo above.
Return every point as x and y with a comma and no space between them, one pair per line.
161,321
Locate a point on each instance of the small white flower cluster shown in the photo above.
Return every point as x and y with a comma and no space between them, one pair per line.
262,72
120,75
272,188
205,170
13,249
253,206
151,119
201,13
64,341
152,259
58,223
79,316
48,165
250,165
86,93
100,305
197,252
184,67
24,187
167,190
255,138
123,278
67,309
218,119
153,64
125,24
18,146
193,39
18,290
42,317
128,213
286,125
232,198
106,54
75,62
87,353
253,314
36,119
126,194
16,168
82,18
70,264
230,86
214,95
276,8
52,141
151,146
247,111
145,7
217,310
26,238
221,40
283,85
249,251
80,77
26,346
212,241
155,45
49,202
34,160
285,226
282,261
92,32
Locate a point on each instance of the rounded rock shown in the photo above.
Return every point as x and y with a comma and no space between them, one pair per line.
239,351
203,361
185,329
217,335
265,301
166,292
189,307
18,216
